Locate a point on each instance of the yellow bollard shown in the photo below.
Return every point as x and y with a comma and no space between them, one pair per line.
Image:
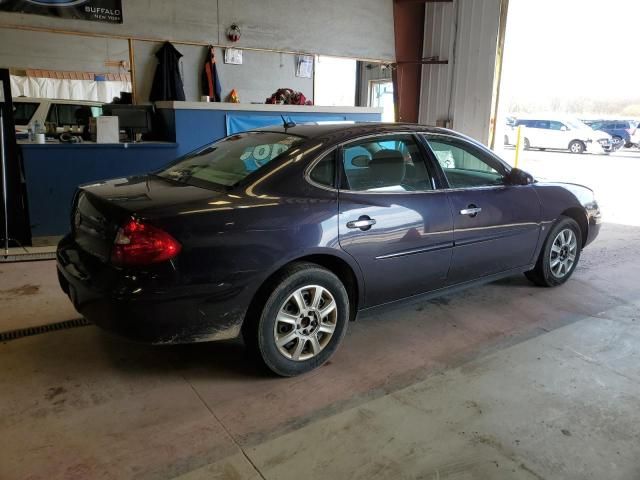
518,145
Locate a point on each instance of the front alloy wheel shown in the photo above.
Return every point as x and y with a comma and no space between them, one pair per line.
560,254
563,253
577,146
305,323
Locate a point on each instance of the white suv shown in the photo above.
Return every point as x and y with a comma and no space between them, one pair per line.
564,133
63,113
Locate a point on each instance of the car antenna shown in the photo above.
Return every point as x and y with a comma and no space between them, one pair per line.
287,123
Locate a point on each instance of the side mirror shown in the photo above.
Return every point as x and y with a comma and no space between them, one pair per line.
519,177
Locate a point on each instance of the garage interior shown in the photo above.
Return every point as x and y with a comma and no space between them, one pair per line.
503,381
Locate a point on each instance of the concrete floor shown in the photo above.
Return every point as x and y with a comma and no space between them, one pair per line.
505,381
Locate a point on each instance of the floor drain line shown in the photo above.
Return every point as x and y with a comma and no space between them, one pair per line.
27,257
51,327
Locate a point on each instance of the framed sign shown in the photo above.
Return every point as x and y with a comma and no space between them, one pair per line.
107,11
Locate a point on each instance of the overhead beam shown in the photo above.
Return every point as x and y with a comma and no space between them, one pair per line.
423,1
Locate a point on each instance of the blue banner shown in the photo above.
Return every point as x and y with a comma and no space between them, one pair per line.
241,123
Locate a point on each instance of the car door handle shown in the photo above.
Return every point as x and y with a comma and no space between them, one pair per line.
363,223
471,210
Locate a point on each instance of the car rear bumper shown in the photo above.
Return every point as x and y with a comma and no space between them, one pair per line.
148,306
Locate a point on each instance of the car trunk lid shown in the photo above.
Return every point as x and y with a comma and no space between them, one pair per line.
101,209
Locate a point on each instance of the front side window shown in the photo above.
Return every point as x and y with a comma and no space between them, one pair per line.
557,125
464,165
231,159
387,164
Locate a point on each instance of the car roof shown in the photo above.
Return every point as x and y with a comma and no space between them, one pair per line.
56,100
351,129
547,116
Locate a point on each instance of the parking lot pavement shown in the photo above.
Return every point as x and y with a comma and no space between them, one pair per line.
614,177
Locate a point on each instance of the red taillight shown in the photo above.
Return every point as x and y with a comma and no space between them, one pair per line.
139,243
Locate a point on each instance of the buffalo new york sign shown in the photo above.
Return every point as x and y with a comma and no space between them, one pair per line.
109,11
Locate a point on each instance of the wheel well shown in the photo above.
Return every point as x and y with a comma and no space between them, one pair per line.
336,265
579,216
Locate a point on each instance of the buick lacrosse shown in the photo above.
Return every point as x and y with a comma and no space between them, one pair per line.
284,234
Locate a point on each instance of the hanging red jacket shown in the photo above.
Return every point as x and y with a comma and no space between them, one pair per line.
210,80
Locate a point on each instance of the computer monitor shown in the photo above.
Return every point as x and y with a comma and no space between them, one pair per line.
131,118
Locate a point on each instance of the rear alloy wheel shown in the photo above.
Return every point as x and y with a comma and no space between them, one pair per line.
559,255
576,146
305,323
303,320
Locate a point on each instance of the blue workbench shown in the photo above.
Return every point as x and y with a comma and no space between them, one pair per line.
53,171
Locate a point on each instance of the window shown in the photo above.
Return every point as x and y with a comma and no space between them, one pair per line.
553,125
387,164
66,114
334,81
324,173
23,111
231,159
381,95
464,164
534,123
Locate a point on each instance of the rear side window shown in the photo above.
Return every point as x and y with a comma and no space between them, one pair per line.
387,164
64,114
324,173
23,112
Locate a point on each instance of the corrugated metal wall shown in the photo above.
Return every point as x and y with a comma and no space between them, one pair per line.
465,32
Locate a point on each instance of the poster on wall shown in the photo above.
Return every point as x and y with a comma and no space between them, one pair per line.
107,11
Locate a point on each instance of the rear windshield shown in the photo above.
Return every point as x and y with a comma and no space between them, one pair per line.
231,159
23,111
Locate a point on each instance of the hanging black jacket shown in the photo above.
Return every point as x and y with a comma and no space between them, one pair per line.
167,82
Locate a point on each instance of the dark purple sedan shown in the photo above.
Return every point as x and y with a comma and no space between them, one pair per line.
284,234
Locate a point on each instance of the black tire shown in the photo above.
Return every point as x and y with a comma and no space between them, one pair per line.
506,140
617,142
259,330
527,144
542,273
577,146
